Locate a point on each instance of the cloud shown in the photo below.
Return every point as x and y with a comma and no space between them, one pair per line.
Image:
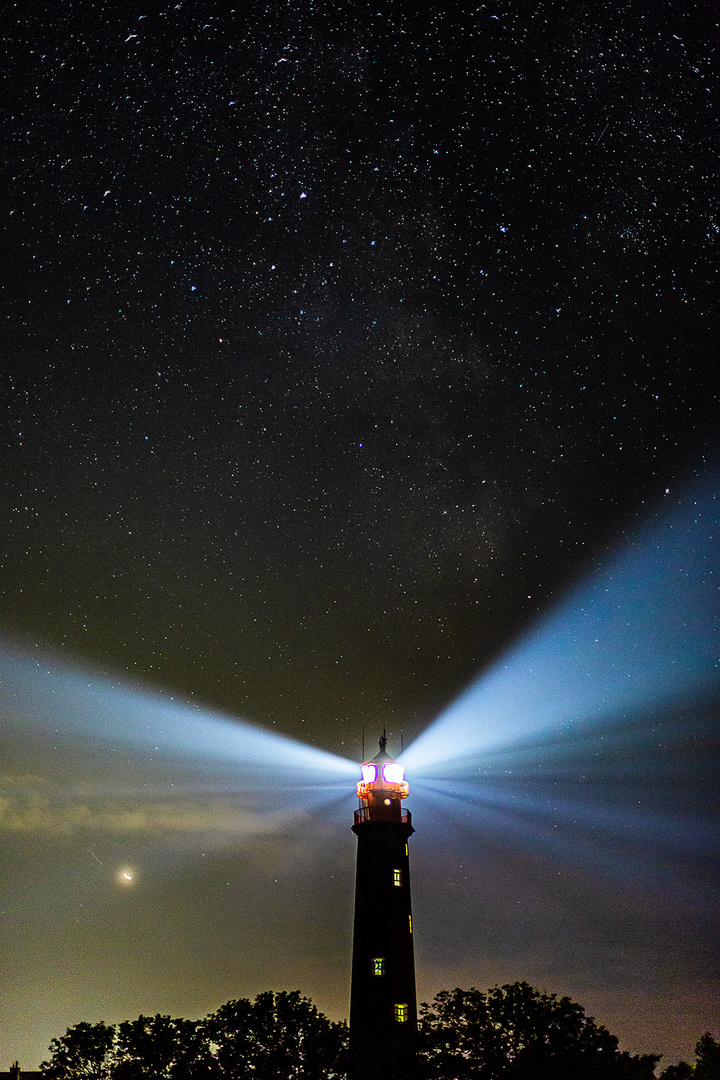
26,811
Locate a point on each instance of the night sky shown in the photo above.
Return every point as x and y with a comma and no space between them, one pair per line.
350,355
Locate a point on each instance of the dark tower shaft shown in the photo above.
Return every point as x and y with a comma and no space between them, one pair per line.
383,1009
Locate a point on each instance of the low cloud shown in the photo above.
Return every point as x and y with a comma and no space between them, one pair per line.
25,810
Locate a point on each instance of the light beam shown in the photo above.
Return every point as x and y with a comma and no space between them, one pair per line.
39,695
641,633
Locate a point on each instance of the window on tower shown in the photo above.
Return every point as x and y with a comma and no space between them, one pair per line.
397,877
378,965
401,1012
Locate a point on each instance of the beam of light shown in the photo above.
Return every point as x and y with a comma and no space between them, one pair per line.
641,633
42,696
581,826
629,804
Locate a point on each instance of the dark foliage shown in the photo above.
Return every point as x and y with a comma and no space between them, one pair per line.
160,1048
682,1071
707,1052
84,1051
517,1032
275,1037
706,1067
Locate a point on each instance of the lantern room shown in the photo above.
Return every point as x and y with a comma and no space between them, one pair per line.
382,787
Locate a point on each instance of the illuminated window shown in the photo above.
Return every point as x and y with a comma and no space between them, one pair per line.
410,922
397,877
369,773
406,849
378,965
401,1013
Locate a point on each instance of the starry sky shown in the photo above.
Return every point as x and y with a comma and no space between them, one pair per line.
340,345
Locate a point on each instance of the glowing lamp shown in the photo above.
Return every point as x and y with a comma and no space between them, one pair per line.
383,785
393,772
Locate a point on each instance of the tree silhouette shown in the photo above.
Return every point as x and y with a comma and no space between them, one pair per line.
682,1071
706,1067
279,1036
160,1048
707,1052
517,1032
84,1052
275,1037
510,1032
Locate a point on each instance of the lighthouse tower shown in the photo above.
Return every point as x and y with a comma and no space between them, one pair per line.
383,1009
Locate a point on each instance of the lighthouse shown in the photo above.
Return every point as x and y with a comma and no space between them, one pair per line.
383,1009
